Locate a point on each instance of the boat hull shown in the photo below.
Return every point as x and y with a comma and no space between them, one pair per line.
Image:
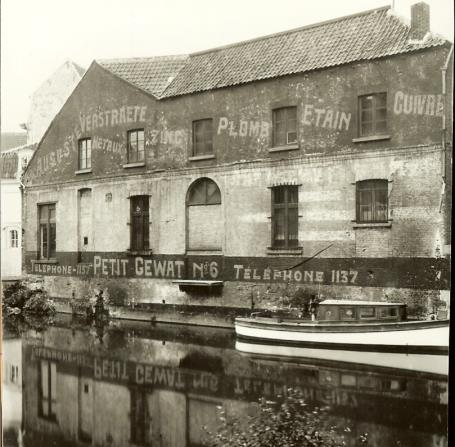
437,364
413,336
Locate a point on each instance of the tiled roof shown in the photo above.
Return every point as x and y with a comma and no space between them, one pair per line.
10,140
152,74
364,36
8,165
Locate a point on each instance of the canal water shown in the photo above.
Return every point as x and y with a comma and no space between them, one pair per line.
74,383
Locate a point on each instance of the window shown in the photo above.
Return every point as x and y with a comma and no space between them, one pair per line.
202,137
136,146
285,217
48,390
372,201
347,314
204,192
14,239
140,418
14,374
372,114
205,221
139,223
367,312
85,153
47,231
284,126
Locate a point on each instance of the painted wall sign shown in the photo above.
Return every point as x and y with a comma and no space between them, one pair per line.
113,117
243,128
325,117
423,273
108,145
408,104
178,137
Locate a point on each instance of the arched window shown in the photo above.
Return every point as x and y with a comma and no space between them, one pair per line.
372,201
14,239
204,216
204,192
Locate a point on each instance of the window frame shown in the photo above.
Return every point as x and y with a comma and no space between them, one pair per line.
374,115
144,216
275,121
51,399
286,205
206,142
85,162
14,238
48,223
371,185
204,181
138,150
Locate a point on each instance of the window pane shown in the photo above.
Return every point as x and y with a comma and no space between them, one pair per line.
293,194
279,235
367,312
52,240
202,137
284,126
278,195
367,129
51,210
43,240
293,227
44,379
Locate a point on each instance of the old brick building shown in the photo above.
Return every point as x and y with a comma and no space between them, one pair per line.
328,144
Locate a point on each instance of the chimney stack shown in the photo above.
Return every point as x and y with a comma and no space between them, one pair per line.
420,21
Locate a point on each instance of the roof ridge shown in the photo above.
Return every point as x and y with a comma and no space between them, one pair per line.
139,59
292,30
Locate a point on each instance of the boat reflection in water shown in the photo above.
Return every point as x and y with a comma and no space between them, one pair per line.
136,384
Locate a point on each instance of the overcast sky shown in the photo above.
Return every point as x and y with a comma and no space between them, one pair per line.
37,36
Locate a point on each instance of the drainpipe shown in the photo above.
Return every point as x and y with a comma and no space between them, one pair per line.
444,69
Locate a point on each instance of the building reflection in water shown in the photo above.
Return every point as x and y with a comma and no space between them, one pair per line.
164,385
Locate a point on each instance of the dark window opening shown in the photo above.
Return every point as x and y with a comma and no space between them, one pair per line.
14,239
285,217
85,153
47,395
47,231
372,201
139,223
202,137
373,114
285,126
140,419
136,146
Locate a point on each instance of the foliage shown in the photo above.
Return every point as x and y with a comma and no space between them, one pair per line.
39,303
15,295
18,298
285,423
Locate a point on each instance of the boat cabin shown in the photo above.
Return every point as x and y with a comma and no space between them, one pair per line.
360,311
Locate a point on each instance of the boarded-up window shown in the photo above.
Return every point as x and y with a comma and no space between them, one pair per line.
140,418
285,216
47,231
140,223
372,201
205,226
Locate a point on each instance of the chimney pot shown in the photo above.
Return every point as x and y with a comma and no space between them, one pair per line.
420,20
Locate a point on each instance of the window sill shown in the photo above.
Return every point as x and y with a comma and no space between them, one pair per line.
45,261
201,157
214,252
371,138
139,164
83,171
287,147
284,251
139,252
373,225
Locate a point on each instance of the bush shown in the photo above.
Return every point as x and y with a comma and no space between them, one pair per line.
18,298
15,295
39,303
